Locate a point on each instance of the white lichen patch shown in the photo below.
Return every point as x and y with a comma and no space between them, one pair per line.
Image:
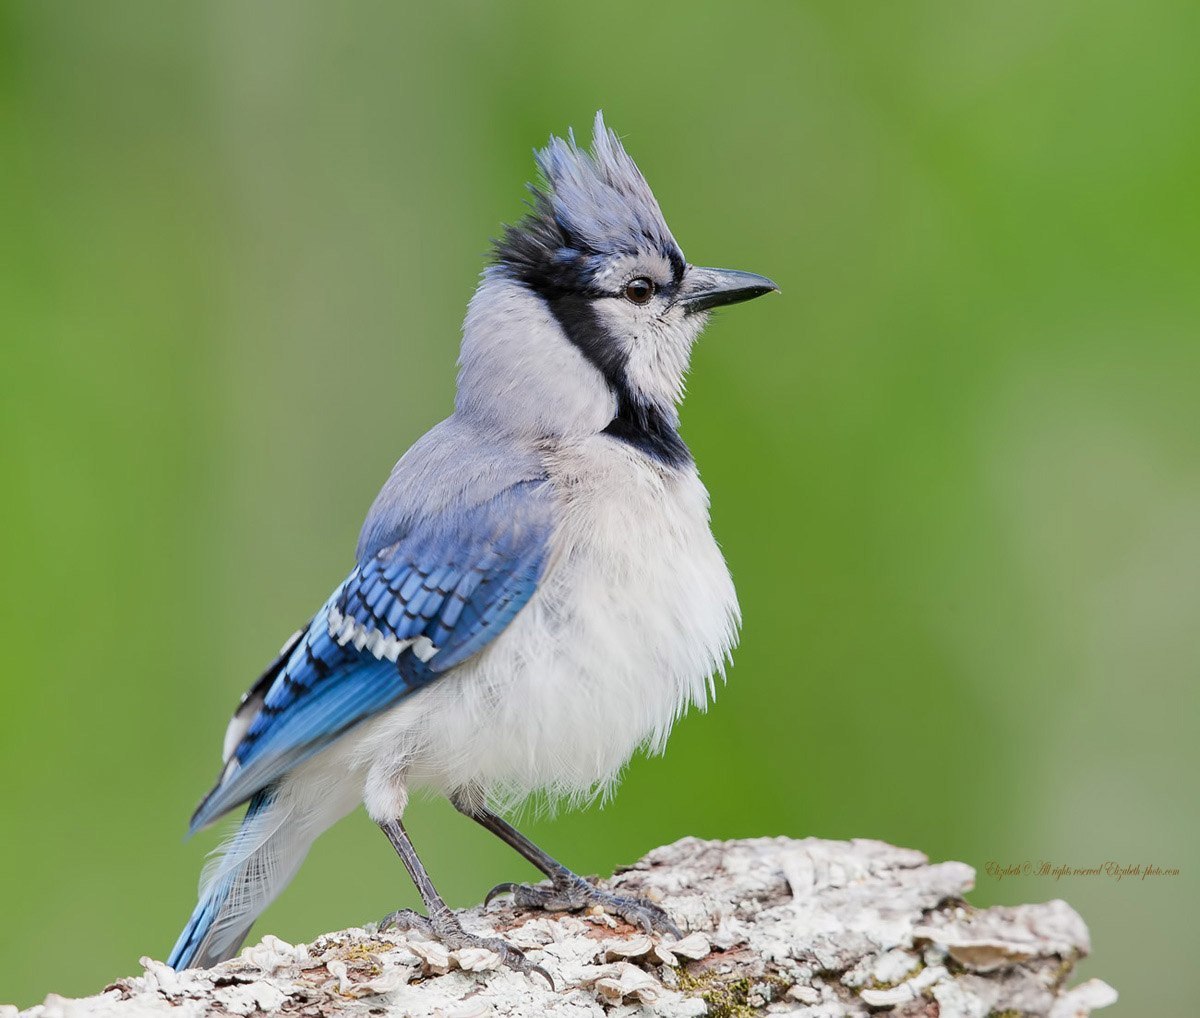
815,929
622,981
649,950
911,990
1004,936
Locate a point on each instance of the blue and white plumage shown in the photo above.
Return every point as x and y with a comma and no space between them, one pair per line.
537,590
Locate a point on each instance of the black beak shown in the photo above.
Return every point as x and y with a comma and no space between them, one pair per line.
712,288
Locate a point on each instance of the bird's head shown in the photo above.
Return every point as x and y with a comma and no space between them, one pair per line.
590,308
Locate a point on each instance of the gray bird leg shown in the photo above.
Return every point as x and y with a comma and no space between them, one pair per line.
441,923
568,892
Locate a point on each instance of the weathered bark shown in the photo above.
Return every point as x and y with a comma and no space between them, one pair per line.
819,929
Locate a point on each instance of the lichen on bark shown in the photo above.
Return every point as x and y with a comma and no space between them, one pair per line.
812,928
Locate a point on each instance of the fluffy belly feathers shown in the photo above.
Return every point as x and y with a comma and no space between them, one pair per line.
635,615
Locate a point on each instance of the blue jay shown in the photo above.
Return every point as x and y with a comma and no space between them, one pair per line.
537,590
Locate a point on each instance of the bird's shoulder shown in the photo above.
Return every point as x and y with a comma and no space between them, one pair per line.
452,472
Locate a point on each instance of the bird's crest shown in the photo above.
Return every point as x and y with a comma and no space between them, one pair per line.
588,205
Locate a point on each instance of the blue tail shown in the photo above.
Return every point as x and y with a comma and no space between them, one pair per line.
187,952
280,825
235,891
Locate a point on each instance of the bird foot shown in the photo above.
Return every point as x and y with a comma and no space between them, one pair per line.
446,929
570,894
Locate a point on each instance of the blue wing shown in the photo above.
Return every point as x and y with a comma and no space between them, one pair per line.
409,611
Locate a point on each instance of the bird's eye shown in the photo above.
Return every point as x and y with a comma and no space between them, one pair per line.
639,290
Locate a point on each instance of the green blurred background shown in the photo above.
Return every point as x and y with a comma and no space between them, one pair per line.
955,468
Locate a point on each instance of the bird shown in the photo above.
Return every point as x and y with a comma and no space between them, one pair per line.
536,592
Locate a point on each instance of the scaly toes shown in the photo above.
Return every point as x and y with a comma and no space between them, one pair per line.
638,912
514,958
556,898
579,894
406,919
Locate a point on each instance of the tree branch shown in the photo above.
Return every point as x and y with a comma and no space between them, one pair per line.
816,929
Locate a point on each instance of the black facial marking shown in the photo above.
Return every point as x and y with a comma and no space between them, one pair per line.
678,265
540,252
637,423
647,428
580,322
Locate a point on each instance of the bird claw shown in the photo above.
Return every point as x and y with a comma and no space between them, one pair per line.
514,958
498,890
453,937
574,895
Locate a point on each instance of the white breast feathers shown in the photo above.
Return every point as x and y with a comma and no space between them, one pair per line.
635,616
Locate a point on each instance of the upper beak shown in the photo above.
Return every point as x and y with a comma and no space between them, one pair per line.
711,288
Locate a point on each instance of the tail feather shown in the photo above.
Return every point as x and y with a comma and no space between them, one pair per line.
235,887
254,865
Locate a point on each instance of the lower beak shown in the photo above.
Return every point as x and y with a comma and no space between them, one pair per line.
712,288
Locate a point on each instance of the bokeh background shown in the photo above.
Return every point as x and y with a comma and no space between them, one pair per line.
955,468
